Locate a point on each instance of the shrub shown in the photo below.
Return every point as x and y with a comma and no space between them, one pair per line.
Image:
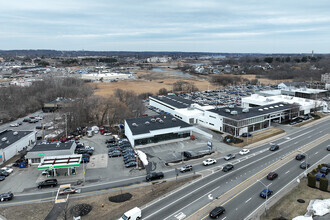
319,166
311,180
314,171
324,184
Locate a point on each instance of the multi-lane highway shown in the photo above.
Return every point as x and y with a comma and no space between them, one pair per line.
230,189
238,190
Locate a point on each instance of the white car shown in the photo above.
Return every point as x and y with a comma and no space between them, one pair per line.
209,161
14,125
89,147
7,169
244,151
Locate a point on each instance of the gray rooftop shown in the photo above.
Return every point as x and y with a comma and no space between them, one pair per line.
253,112
175,101
52,147
11,137
144,125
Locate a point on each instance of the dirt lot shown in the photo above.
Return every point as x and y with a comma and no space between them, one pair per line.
110,210
288,207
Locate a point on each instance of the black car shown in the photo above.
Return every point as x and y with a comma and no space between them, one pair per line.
128,155
131,164
328,148
4,173
217,211
185,168
2,178
227,167
50,182
300,157
6,196
274,147
26,120
272,175
84,151
246,135
187,154
303,165
154,176
110,141
128,160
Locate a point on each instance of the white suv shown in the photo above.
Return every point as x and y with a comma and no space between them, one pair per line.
244,151
209,161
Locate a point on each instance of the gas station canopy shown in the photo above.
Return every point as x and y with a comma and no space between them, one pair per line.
53,162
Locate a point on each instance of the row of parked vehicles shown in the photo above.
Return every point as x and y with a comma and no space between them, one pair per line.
4,172
122,148
86,151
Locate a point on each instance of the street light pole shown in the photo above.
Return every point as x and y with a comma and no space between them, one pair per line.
267,187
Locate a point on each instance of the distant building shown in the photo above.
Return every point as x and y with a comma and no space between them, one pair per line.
105,76
159,59
56,104
12,142
288,85
325,78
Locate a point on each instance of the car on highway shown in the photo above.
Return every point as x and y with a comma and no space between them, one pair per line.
304,164
244,151
229,156
209,161
272,175
131,164
6,196
319,176
266,193
14,125
227,167
7,169
67,190
328,148
300,157
246,135
186,168
274,147
154,176
217,211
49,182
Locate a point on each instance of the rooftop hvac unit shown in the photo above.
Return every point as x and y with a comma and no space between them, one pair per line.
134,124
4,139
276,106
157,119
227,110
245,110
58,145
147,123
271,107
161,121
153,120
266,108
233,112
173,119
15,133
281,105
231,106
260,109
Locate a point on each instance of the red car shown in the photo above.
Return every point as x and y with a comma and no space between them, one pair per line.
68,190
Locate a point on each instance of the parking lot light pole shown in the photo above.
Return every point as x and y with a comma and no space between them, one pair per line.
267,187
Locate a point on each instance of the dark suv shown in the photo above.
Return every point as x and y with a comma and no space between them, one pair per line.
274,147
272,175
215,213
50,182
154,176
300,157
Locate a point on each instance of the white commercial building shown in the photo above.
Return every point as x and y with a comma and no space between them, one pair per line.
105,76
12,142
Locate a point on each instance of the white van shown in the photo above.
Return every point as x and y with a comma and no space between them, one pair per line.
132,214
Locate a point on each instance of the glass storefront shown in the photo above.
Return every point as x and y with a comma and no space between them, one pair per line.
162,137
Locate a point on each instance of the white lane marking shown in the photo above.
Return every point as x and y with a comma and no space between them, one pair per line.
287,172
296,142
270,184
248,200
316,152
180,216
224,218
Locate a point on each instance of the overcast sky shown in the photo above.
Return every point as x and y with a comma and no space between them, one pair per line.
249,26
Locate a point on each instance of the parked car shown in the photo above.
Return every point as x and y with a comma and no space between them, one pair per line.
49,182
230,156
328,148
266,193
131,164
128,160
217,211
319,176
115,153
45,172
85,158
2,178
209,161
246,135
244,151
304,164
6,196
324,170
272,175
187,154
274,147
128,155
110,141
154,176
26,119
4,173
227,167
9,170
185,168
14,125
68,190
300,157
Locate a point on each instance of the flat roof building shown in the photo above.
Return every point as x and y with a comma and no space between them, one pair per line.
12,142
